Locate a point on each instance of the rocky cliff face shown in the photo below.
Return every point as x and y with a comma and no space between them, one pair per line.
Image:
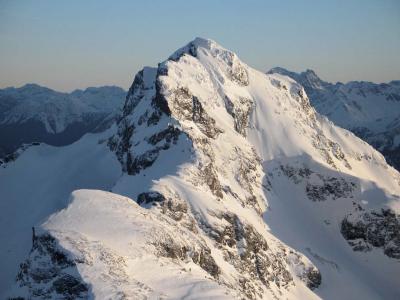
49,272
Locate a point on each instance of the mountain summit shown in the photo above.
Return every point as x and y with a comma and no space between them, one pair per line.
231,187
308,79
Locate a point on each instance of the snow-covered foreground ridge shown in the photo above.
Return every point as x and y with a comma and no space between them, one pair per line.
241,191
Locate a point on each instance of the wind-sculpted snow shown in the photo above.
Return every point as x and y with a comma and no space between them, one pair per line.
232,187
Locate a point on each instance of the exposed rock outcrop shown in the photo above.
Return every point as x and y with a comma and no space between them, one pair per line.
367,229
50,273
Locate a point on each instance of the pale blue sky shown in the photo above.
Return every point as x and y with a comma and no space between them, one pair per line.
78,43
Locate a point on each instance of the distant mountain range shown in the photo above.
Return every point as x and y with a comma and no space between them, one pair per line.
33,113
370,110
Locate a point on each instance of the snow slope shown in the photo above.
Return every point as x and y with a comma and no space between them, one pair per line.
370,110
37,114
304,210
231,183
38,184
133,264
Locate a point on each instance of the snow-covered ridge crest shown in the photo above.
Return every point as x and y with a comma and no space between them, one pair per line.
226,59
370,110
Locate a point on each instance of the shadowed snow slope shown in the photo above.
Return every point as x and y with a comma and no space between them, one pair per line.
38,184
231,183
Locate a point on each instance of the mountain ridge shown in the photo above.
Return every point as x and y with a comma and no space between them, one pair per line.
242,190
370,110
33,113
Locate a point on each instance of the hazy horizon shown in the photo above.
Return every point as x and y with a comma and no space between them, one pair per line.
73,45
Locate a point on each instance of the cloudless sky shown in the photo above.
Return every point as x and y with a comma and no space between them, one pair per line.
79,43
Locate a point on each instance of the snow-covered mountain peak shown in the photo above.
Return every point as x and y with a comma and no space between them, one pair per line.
313,78
33,87
244,192
234,127
208,95
199,42
307,78
208,50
